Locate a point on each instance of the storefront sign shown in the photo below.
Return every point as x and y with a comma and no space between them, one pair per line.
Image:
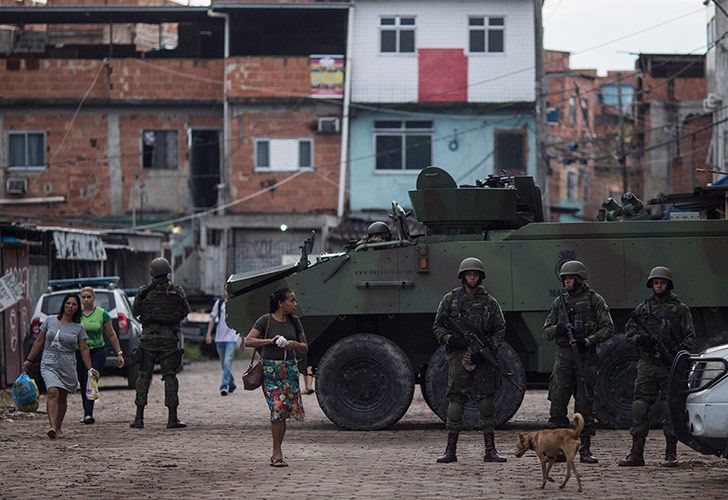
327,76
78,246
10,291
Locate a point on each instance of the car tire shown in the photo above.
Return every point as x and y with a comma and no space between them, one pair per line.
507,398
364,382
614,389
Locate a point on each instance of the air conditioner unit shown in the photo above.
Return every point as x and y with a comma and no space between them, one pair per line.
327,125
713,101
16,185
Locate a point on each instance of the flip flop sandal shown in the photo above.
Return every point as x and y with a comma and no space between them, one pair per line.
277,462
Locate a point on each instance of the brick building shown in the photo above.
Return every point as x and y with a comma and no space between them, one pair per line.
673,129
101,126
587,133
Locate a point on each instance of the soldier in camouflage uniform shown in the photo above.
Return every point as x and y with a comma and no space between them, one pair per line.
160,306
668,319
482,311
592,324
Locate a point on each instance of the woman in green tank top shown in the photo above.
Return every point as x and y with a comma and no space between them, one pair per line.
97,323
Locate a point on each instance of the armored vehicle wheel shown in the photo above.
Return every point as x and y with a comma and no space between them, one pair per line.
615,384
507,399
364,382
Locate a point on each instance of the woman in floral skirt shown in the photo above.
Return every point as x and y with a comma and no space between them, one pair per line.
280,335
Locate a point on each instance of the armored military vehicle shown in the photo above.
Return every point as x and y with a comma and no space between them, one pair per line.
368,311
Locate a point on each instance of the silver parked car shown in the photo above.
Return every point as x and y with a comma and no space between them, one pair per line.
114,300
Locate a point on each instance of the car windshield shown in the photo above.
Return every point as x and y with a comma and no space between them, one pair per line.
52,303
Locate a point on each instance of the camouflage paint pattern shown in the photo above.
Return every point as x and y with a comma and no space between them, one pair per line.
671,321
393,288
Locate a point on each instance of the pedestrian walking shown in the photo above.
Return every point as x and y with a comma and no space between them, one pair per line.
280,335
59,338
97,323
226,343
483,314
659,327
578,318
160,305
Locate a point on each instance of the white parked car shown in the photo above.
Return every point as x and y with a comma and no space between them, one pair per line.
698,400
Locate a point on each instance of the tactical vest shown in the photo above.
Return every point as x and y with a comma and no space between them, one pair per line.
581,314
475,309
163,305
663,321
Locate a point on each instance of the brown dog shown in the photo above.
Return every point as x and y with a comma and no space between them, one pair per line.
549,443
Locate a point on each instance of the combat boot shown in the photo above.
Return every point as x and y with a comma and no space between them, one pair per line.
491,454
138,422
585,455
670,452
173,422
636,457
451,449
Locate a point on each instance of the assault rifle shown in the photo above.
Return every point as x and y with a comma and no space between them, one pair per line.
489,354
580,366
664,352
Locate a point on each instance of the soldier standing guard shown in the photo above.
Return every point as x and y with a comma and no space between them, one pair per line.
591,324
160,306
663,317
483,313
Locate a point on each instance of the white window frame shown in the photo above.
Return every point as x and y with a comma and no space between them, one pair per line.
402,132
485,28
165,131
24,168
397,27
258,140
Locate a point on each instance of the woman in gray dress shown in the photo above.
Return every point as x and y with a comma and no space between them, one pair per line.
59,338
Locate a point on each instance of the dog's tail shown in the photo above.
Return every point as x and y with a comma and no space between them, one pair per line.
578,423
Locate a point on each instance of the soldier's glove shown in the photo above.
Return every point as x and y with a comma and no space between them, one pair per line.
583,343
476,357
645,341
456,343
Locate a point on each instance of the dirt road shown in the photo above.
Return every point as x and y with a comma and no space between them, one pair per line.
224,453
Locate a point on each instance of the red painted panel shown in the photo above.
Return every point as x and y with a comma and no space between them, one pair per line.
443,75
15,260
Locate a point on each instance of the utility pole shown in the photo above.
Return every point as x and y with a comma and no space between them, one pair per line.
622,158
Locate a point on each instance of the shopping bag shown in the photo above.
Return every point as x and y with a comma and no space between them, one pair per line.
92,387
25,393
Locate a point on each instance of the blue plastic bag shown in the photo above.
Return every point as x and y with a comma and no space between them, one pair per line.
25,393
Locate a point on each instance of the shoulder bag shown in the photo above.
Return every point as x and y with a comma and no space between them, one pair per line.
253,376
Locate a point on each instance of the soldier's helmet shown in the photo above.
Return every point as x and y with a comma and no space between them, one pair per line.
659,272
573,268
381,229
159,267
471,264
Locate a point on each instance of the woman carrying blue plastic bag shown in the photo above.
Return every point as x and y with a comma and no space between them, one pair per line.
60,336
25,393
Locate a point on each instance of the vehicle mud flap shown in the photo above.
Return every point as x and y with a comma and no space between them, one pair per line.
507,398
614,388
365,382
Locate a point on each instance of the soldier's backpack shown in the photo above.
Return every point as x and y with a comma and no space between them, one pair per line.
163,304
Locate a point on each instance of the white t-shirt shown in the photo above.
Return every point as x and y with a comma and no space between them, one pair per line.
223,333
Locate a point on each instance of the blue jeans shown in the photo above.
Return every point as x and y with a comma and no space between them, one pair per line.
98,361
226,352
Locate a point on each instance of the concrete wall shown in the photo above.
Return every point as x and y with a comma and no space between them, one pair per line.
370,189
444,25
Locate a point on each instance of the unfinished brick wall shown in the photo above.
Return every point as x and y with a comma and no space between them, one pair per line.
268,77
180,79
314,191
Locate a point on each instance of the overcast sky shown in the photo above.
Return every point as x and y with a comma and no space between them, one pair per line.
578,25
